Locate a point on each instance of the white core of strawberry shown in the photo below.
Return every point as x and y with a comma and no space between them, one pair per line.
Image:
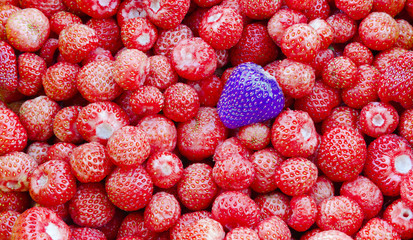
13,185
403,164
214,18
133,13
155,5
53,231
42,180
306,132
104,3
406,214
188,57
104,130
143,39
377,120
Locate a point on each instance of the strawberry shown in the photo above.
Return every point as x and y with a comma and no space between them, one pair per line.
38,151
98,121
320,9
377,228
14,201
90,162
108,33
160,131
265,162
99,54
76,41
389,158
38,223
203,229
230,148
85,233
124,102
64,124
378,21
391,7
255,136
7,220
196,189
52,183
12,133
221,27
406,189
358,53
344,27
378,118
250,95
405,34
193,20
139,33
90,206
166,14
62,19
242,233
400,217
130,9
61,210
133,225
281,20
342,153
31,68
27,30
222,57
6,11
110,229
341,115
235,209
340,72
330,235
405,125
262,9
303,213
98,9
181,102
300,5
49,50
395,81
187,219
162,212
130,189
324,30
208,89
168,39
165,169
8,66
60,151
384,58
128,147
356,9
273,227
161,73
59,81
273,204
47,7
73,7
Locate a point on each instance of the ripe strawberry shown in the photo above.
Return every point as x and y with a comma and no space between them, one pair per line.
208,89
48,7
385,58
98,9
162,212
38,151
27,30
400,217
198,137
260,10
378,21
378,118
273,204
344,27
186,220
8,66
90,162
98,121
49,50
255,45
61,210
255,136
330,235
76,41
405,35
62,19
31,68
340,72
14,201
130,189
166,14
265,163
90,206
324,30
358,53
342,153
160,131
12,133
405,125
124,102
59,81
242,233
293,134
222,57
181,102
73,7
60,151
234,173
406,189
320,9
168,39
99,54
6,11
377,228
139,33
273,227
38,223
130,9
111,228
108,33
203,229
391,7
321,59
355,9
281,20
165,169
64,124
52,183
230,148
193,20
341,115
161,73
85,233
389,157
303,213
133,225
7,220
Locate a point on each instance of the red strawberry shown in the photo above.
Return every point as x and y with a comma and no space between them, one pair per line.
358,53
273,204
355,9
59,81
342,153
330,235
165,169
169,38
99,9
303,213
229,148
389,157
130,9
281,20
31,68
12,133
60,151
406,192
181,102
162,212
108,33
391,7
340,72
265,163
324,30
300,5
130,189
6,11
38,151
111,228
344,27
203,229
139,33
193,20
27,29
124,102
378,21
90,162
7,220
196,189
8,66
378,118
62,19
161,73
377,228
208,89
133,225
405,126
49,50
14,201
405,35
341,115
47,7
186,220
384,58
255,136
273,227
262,9
400,217
90,206
38,223
62,210
166,14
242,233
85,233
64,125
320,9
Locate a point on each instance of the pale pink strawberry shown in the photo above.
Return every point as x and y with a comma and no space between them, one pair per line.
303,213
133,225
330,235
389,158
27,29
5,11
341,115
242,233
98,9
40,222
98,121
165,169
90,162
186,220
324,31
273,204
209,90
38,151
129,9
7,220
59,81
128,147
76,41
377,228
229,148
60,151
262,9
344,27
400,217
36,116
181,102
379,21
15,171
161,73
356,9
8,65
85,233
131,68
31,67
64,124
203,229
62,19
281,20
300,42
378,118
391,7
405,35
405,127
160,131
384,58
49,50
255,136
162,212
166,14
168,39
14,201
321,59
340,72
273,227
90,206
139,33
108,33
265,163
198,137
99,54
12,133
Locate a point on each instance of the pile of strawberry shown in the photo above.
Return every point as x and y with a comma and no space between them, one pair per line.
206,119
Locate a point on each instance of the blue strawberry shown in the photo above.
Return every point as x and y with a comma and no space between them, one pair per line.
250,95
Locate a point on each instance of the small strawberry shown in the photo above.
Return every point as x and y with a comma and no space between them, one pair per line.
391,7
14,201
62,19
133,225
98,9
320,9
108,33
168,39
31,69
181,102
203,229
59,81
61,210
49,51
48,7
400,217
377,228
273,204
8,66
242,233
255,136
378,118
193,20
208,89
324,30
356,9
38,151
273,227
64,124
303,213
186,220
129,9
139,33
60,151
222,57
13,135
7,220
378,21
340,72
321,59
165,169
259,10
358,53
406,192
110,229
385,58
166,14
344,27
405,35
405,125
230,148
162,212
341,115
85,233
281,20
38,223
330,235
265,163
6,11
161,73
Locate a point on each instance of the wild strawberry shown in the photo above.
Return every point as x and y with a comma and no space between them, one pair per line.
161,73
130,9
61,20
400,217
38,151
330,235
303,213
98,121
108,33
378,118
133,225
128,147
273,227
27,30
181,102
14,201
90,206
168,39
255,136
166,14
341,115
130,189
16,169
162,212
6,11
340,72
281,20
98,9
139,33
85,233
8,66
391,7
64,124
377,228
344,27
31,68
60,151
7,220
405,35
355,9
389,157
208,89
165,169
242,233
49,50
260,10
131,68
39,222
13,135
255,45
265,163
378,21
203,229
76,41
385,58
59,81
160,131
405,125
342,153
358,53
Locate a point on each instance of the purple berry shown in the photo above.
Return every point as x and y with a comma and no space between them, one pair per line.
250,95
